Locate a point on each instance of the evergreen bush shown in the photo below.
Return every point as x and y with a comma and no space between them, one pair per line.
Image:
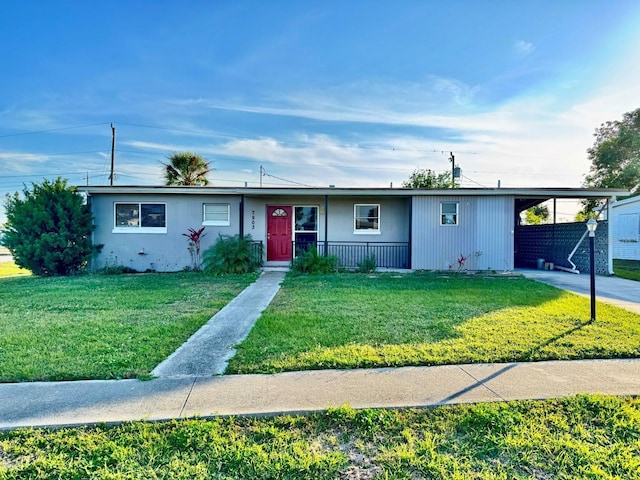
48,229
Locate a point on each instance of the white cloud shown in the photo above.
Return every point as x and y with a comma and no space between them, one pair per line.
523,48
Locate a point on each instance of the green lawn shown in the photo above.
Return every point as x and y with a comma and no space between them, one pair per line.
9,269
579,437
629,269
357,320
102,326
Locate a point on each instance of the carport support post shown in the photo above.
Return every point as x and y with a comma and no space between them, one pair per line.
326,225
591,227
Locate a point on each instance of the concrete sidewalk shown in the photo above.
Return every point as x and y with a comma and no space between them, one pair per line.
88,402
614,290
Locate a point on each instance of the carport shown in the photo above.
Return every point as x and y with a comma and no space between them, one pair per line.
562,245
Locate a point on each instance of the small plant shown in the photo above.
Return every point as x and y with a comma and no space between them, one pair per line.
312,263
115,270
461,262
368,264
234,254
194,239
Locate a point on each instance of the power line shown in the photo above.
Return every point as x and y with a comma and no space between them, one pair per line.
22,156
53,130
284,179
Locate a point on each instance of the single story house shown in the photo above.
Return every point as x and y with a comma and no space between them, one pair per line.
142,227
625,219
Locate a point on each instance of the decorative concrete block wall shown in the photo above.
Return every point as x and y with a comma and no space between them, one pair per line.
554,243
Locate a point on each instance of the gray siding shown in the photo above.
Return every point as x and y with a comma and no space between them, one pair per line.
484,234
394,217
156,251
625,219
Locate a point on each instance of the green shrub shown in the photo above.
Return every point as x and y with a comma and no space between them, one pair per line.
233,254
48,229
368,264
311,262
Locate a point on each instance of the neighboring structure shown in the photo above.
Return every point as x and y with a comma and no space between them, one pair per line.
142,227
625,219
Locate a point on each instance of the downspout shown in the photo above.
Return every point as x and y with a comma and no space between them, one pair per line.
326,225
610,236
410,230
241,229
574,268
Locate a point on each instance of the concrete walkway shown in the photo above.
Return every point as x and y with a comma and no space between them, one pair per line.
617,291
208,351
186,388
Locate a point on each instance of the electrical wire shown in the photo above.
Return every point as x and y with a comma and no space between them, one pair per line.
52,130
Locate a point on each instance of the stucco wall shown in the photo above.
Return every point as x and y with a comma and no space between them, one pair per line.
156,251
168,251
484,234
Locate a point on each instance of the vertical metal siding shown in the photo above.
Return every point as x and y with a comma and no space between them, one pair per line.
495,226
485,224
624,250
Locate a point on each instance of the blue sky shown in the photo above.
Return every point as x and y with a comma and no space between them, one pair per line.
350,93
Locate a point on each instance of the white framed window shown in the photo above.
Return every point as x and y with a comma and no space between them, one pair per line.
628,227
216,214
133,217
449,213
366,218
306,219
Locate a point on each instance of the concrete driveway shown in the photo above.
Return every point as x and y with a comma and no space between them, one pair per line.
617,291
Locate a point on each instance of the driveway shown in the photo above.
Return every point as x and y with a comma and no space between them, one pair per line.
617,291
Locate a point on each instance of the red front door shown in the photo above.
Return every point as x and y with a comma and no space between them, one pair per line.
279,234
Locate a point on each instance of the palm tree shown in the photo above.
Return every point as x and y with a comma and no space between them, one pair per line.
186,168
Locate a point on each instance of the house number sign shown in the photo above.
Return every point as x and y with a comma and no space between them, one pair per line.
253,219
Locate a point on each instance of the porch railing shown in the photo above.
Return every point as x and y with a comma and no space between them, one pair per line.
350,254
256,250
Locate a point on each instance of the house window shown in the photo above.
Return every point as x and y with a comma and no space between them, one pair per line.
306,228
366,218
216,214
448,213
628,227
140,218
306,219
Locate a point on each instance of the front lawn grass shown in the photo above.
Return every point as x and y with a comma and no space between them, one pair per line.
629,269
8,269
576,437
357,320
103,326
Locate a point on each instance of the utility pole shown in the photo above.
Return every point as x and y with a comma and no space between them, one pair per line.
452,159
261,174
113,153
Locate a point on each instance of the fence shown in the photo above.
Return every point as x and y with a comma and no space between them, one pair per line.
350,254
